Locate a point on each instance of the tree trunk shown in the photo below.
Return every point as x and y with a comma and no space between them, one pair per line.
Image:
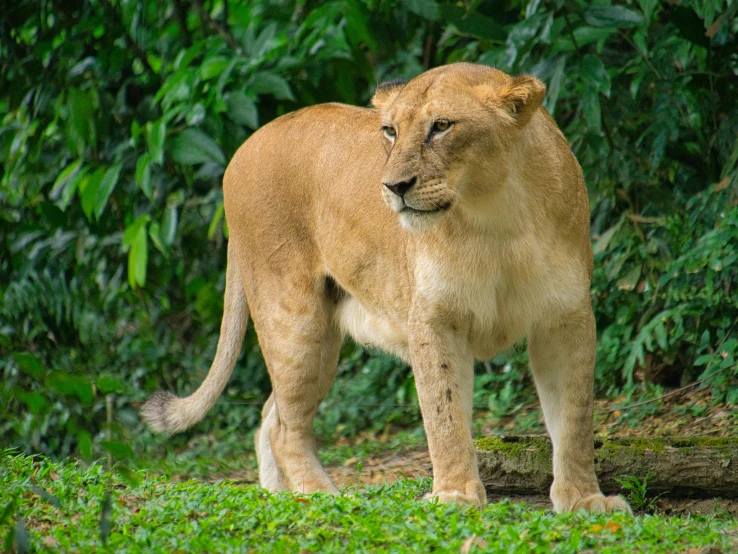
680,466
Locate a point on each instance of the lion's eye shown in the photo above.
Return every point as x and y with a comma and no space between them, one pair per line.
389,132
441,125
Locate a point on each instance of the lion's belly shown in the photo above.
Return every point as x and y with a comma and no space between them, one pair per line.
485,339
371,328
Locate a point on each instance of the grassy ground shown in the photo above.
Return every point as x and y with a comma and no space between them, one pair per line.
199,497
61,507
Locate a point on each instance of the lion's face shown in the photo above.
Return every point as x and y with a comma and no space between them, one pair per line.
446,134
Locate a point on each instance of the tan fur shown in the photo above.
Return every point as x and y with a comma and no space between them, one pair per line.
499,249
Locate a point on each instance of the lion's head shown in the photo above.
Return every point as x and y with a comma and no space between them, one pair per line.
447,133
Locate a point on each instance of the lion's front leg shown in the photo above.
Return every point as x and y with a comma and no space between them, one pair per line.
444,376
562,356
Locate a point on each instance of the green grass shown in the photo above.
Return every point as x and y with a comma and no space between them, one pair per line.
61,506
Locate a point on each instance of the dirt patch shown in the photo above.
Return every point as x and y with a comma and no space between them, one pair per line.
690,412
380,469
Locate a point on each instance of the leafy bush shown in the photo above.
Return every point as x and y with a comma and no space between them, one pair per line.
118,118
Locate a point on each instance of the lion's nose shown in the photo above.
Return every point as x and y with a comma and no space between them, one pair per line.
401,187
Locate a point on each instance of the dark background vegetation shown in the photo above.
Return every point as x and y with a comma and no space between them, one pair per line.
118,118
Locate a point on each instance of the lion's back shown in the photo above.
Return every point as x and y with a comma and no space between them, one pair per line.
314,144
306,178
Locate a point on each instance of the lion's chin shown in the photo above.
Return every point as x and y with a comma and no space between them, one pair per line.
417,211
414,219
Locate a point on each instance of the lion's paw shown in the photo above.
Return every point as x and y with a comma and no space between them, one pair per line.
599,503
473,494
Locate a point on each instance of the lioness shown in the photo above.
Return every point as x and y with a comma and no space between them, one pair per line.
442,225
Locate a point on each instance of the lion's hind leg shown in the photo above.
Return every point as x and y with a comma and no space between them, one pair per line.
300,343
270,476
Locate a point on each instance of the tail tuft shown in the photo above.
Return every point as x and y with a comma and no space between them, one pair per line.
156,412
166,412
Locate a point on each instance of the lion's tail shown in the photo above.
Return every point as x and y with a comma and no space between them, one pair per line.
166,412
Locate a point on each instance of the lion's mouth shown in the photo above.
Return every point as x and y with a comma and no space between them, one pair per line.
440,208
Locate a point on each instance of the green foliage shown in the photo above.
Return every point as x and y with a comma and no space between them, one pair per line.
371,391
83,508
637,492
117,119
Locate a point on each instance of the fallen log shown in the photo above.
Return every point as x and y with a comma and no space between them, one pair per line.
695,467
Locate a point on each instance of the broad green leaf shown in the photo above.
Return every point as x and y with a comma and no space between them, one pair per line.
595,75
630,280
137,260
169,226
143,175
636,355
705,359
592,110
427,9
28,363
217,217
155,236
357,26
601,244
223,80
107,184
635,84
193,146
71,186
243,110
118,449
185,57
641,42
196,114
34,401
212,67
66,175
648,7
84,442
263,42
132,231
587,35
554,85
107,383
135,237
70,383
81,120
156,132
173,82
472,23
88,188
658,147
660,332
271,83
532,8
618,17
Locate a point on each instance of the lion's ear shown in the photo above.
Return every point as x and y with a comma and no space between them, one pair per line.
387,92
520,97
